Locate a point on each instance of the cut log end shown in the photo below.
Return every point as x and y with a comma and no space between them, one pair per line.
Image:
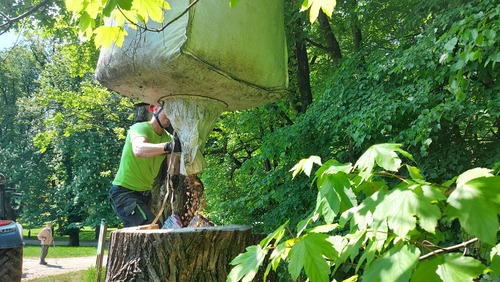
154,228
185,254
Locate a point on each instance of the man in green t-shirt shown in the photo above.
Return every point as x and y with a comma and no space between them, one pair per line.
145,148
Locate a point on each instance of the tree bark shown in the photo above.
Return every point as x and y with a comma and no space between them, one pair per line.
187,254
356,29
187,192
331,41
74,237
303,77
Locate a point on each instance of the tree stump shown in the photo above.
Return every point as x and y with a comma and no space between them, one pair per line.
186,254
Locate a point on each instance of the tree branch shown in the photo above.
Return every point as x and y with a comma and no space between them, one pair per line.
9,22
391,175
447,249
315,44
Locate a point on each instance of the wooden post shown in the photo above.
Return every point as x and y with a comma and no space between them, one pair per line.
100,248
177,255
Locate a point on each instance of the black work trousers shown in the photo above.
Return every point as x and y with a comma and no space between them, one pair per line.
132,207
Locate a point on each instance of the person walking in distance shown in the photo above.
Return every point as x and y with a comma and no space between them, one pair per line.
45,237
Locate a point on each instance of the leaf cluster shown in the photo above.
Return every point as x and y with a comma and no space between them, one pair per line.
106,19
371,223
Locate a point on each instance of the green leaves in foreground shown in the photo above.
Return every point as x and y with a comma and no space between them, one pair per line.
88,14
383,155
397,210
314,6
309,252
374,225
247,264
448,267
476,204
395,265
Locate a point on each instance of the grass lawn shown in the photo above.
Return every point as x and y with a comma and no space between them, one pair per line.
88,275
77,276
86,234
33,251
61,250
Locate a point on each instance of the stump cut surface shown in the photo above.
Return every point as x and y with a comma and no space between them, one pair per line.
186,254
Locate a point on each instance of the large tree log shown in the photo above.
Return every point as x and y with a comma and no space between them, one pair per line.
187,254
187,192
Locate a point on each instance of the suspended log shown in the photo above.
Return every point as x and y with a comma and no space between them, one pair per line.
187,254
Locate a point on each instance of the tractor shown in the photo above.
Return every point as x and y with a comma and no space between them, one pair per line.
11,235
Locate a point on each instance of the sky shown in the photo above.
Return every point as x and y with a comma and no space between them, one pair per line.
7,40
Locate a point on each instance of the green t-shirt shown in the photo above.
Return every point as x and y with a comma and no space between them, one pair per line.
139,173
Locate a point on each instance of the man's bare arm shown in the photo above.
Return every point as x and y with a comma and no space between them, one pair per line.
143,149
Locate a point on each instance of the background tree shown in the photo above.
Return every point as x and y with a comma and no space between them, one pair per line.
61,134
19,160
82,137
398,90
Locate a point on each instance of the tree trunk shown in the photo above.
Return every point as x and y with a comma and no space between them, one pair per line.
303,73
74,237
331,41
186,254
356,29
187,192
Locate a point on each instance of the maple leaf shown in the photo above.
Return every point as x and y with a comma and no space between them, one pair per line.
309,253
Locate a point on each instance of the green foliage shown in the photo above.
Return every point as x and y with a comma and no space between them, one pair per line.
402,96
247,264
396,265
386,235
470,47
309,253
33,251
80,142
63,137
495,260
393,90
88,275
475,203
449,267
18,158
245,172
314,6
89,16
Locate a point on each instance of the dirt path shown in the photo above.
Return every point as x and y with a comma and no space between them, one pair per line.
32,269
